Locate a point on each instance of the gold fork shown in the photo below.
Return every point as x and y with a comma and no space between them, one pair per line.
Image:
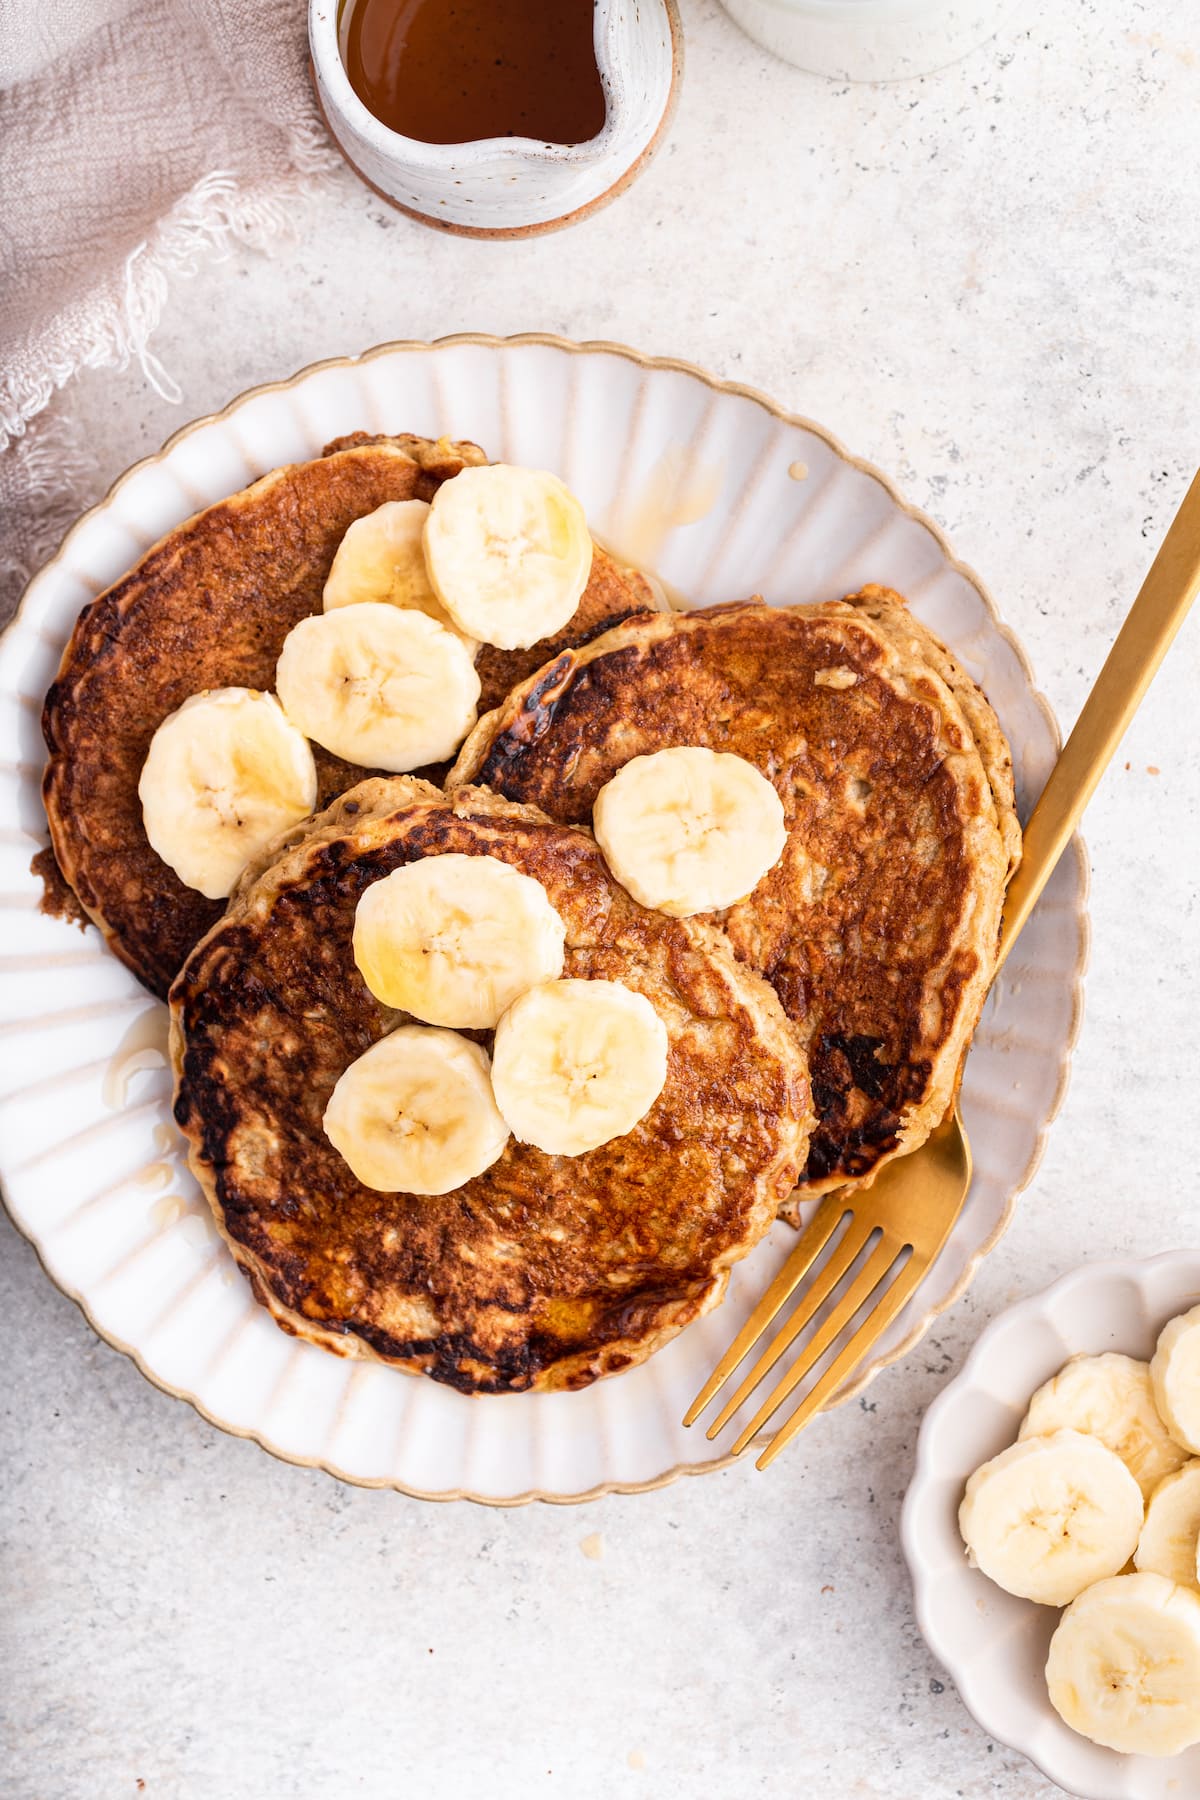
909,1209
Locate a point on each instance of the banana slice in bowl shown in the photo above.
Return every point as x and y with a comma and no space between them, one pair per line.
1175,1376
1111,1398
1170,1541
1051,1515
1124,1665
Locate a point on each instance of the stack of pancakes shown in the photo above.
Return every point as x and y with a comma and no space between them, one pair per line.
815,1029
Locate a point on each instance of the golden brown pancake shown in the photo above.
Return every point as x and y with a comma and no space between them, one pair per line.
889,611
878,926
545,1271
209,606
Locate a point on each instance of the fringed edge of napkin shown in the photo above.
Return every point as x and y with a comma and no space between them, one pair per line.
48,475
121,316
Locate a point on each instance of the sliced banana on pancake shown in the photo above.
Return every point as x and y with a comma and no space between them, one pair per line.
1050,1515
576,1063
1175,1376
1171,1534
508,552
382,558
689,830
1124,1665
380,686
224,775
1111,1398
456,939
415,1113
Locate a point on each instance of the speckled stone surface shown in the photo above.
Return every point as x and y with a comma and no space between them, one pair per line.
987,283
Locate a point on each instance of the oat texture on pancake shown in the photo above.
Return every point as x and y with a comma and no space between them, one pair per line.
878,927
209,607
545,1271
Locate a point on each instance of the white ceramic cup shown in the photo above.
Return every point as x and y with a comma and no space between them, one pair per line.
869,40
511,186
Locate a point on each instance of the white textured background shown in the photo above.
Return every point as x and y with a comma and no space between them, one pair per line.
989,283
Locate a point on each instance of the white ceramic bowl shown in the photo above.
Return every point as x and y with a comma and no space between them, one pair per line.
991,1644
724,495
869,40
511,187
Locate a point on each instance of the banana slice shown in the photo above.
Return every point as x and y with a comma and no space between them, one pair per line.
508,552
1111,1398
382,558
1050,1515
576,1063
1175,1374
1171,1533
689,830
456,939
223,775
381,687
415,1113
1124,1666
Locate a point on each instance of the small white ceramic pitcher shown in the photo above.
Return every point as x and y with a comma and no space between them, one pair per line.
509,187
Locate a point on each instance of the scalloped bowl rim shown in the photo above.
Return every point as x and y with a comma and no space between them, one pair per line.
990,1717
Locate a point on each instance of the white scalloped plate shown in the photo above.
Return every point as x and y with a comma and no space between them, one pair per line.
88,1155
992,1645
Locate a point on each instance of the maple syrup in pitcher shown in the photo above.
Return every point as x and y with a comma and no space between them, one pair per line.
451,71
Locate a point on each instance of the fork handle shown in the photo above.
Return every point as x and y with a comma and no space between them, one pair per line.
1143,641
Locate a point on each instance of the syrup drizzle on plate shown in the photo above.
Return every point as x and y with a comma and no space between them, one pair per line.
143,1047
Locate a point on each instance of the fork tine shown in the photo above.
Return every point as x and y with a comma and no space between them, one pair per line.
849,1358
814,1297
860,1289
824,1223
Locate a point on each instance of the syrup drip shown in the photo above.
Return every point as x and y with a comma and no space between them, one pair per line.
676,492
143,1047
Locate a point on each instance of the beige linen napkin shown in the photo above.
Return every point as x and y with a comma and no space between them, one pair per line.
137,138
